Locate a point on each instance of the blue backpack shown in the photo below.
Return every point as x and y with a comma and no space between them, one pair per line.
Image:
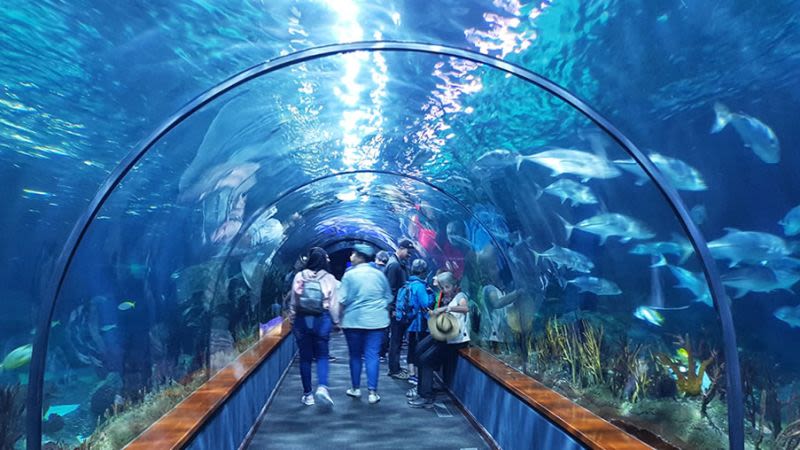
404,310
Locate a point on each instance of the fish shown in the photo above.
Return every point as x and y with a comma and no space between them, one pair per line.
595,285
498,159
126,305
567,189
564,257
649,315
583,164
789,314
791,222
18,357
694,283
679,247
682,354
611,224
751,279
108,327
682,176
748,246
756,135
699,214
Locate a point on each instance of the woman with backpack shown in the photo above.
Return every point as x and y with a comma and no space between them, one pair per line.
313,310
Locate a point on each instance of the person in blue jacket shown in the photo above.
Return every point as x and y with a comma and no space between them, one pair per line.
412,307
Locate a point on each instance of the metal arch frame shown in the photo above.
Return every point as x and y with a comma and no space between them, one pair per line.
79,230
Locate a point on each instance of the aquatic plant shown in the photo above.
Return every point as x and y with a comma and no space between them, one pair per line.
123,422
589,351
689,383
716,375
11,414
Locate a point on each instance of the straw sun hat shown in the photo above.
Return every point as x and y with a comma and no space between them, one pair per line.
443,326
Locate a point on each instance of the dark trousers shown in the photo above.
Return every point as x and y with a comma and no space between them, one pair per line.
413,339
399,328
312,334
446,358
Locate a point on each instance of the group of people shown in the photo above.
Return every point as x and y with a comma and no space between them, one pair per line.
378,303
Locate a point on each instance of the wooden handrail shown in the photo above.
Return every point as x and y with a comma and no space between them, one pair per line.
579,422
176,428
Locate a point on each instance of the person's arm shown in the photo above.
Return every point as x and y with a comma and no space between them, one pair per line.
333,307
497,301
387,292
341,292
297,288
460,307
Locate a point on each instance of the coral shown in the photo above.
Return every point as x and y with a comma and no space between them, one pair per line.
689,383
580,353
789,439
11,415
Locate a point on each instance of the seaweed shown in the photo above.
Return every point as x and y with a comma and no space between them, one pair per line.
789,439
11,412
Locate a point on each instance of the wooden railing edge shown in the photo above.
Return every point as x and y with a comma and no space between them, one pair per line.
176,428
588,428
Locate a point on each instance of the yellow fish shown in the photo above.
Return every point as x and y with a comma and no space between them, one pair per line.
124,306
18,357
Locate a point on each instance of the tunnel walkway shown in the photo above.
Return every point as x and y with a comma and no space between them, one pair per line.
354,423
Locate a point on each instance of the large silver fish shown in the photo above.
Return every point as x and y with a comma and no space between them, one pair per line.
751,279
748,246
583,164
597,286
564,257
682,176
611,224
567,189
695,283
789,314
791,222
679,246
755,134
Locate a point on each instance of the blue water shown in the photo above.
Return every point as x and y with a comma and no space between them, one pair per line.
83,84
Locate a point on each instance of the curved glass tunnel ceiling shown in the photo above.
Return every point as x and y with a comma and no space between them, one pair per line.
237,190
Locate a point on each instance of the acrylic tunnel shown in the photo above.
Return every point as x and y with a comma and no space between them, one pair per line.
610,185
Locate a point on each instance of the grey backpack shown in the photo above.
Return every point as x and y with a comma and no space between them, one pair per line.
311,298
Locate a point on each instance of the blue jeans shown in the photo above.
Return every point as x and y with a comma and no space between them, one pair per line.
312,334
366,343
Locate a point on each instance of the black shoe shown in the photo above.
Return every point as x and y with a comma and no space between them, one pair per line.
421,402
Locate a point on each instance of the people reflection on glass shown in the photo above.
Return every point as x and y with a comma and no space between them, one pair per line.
498,318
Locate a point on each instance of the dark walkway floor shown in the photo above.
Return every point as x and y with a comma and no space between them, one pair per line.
354,423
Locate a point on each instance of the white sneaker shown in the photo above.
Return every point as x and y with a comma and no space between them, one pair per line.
374,397
323,396
354,392
307,399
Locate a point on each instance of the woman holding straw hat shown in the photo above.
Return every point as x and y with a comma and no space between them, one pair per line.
449,327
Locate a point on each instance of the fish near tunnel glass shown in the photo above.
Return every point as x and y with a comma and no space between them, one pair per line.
546,260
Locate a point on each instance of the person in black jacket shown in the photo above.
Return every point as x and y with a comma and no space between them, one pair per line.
397,274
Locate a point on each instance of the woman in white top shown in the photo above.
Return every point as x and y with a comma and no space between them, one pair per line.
314,287
457,304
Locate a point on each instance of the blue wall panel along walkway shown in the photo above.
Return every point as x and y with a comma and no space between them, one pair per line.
234,420
512,423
